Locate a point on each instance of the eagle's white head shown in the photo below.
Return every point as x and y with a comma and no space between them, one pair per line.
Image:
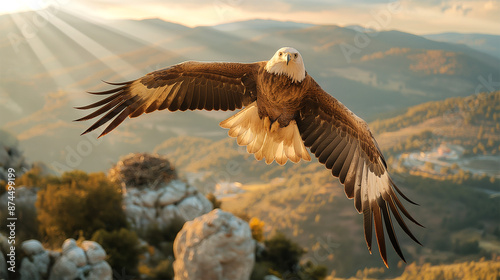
287,61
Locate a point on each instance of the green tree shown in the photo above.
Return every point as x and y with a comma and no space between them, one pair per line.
283,253
314,272
33,177
122,247
76,202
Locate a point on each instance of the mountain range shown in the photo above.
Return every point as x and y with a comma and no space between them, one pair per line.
49,62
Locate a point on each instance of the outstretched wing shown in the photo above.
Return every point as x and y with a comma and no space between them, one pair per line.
343,142
185,86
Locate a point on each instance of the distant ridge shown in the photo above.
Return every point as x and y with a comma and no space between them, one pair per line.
486,43
261,24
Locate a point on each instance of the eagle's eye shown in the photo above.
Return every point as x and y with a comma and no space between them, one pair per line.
281,53
295,55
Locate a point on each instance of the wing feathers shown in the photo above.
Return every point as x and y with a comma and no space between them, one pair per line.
379,233
390,229
103,109
101,102
343,142
350,180
347,162
188,97
338,157
400,220
189,85
118,108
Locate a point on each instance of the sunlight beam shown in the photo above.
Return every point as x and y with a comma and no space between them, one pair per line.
44,55
119,66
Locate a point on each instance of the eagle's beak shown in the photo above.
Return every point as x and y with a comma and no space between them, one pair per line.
287,58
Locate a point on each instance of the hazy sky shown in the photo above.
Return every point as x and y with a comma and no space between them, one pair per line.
415,16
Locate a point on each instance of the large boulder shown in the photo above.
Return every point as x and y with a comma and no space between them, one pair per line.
215,246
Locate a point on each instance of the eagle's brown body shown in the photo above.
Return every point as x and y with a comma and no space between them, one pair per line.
279,99
284,112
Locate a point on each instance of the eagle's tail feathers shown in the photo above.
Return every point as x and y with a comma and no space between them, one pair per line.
272,143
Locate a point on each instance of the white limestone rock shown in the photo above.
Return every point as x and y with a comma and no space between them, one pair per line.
217,245
175,191
168,214
64,269
149,198
77,256
134,214
32,247
28,271
100,271
161,206
271,277
68,244
95,253
36,264
85,262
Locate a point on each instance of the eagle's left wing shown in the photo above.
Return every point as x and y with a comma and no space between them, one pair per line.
186,86
343,142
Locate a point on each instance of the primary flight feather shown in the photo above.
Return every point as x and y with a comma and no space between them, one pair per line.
284,111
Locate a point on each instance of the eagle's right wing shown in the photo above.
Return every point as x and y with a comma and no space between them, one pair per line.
185,86
344,144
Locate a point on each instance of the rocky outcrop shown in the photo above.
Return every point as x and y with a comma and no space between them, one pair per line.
36,265
152,193
175,201
215,246
86,262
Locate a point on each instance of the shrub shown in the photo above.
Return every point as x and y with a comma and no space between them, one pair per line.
76,202
283,253
122,247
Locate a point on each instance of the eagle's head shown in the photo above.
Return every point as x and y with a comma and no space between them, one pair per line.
287,61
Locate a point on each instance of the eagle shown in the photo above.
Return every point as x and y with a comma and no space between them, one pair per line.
284,111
